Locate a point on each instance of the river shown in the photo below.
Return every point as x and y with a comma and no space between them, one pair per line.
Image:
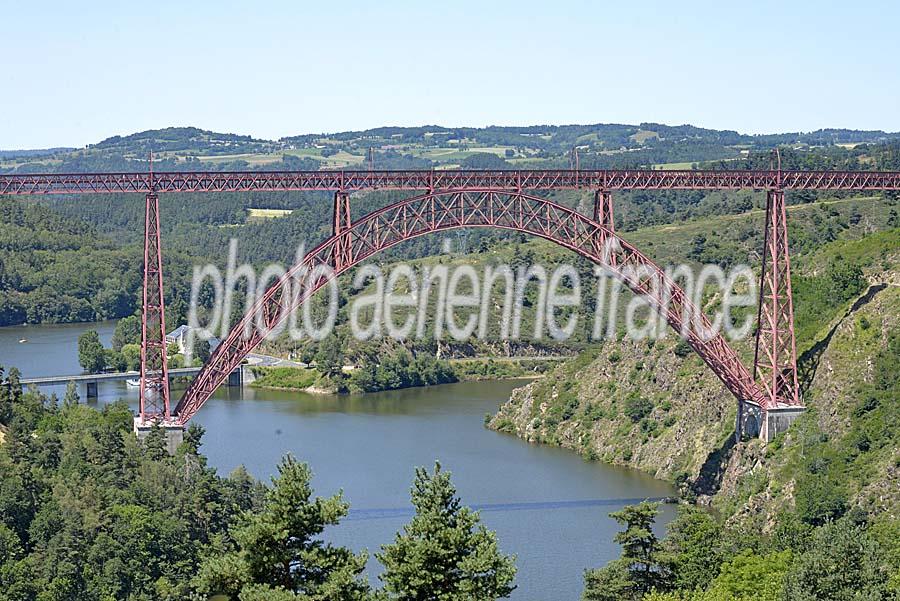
547,505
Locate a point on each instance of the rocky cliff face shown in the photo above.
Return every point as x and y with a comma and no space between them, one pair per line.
657,408
650,406
851,426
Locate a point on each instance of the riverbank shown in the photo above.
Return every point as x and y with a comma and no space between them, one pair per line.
656,407
548,505
310,380
369,445
628,404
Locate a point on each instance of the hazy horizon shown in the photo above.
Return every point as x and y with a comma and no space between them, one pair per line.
442,126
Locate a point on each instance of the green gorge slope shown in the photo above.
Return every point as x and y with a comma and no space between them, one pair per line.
658,408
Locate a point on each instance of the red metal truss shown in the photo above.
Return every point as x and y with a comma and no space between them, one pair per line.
340,223
775,357
603,209
154,400
438,211
603,213
463,198
418,180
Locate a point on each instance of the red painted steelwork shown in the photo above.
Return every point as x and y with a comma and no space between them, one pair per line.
603,214
340,223
447,210
154,401
351,181
775,357
487,195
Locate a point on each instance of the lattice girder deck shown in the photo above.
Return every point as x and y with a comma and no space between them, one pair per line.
446,210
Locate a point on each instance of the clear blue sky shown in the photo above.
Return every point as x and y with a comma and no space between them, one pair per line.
76,72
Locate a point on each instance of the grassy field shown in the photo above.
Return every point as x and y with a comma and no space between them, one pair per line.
672,166
341,159
643,135
454,154
251,158
310,153
292,378
268,213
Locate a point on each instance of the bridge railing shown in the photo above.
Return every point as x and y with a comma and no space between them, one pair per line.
413,180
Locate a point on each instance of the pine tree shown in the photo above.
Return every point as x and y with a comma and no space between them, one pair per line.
155,443
639,570
639,545
445,552
279,554
10,393
71,396
5,400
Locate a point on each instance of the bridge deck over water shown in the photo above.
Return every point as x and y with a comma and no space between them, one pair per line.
104,377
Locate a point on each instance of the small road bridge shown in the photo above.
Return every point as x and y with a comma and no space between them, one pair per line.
92,380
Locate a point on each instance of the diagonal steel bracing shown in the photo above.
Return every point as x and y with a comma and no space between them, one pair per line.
775,357
413,180
446,210
461,198
154,400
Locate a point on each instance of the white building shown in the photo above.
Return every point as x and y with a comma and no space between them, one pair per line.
180,336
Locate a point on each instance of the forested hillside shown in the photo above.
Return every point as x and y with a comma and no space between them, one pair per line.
537,146
88,512
674,408
59,269
54,269
85,266
787,512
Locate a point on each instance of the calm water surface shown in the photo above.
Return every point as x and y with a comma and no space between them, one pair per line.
547,505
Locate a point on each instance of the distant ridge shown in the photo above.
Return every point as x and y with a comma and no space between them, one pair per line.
33,152
181,137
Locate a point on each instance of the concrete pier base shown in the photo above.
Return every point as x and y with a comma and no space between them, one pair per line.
778,420
247,376
753,422
174,432
749,421
92,390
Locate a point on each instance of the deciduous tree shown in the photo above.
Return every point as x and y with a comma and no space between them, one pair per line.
90,352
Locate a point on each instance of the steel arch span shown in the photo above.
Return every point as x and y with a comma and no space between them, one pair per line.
442,210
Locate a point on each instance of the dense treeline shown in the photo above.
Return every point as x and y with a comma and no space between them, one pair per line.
86,265
56,269
863,157
85,161
87,512
701,559
182,138
559,139
600,146
400,369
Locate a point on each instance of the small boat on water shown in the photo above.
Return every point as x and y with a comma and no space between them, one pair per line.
133,382
23,340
